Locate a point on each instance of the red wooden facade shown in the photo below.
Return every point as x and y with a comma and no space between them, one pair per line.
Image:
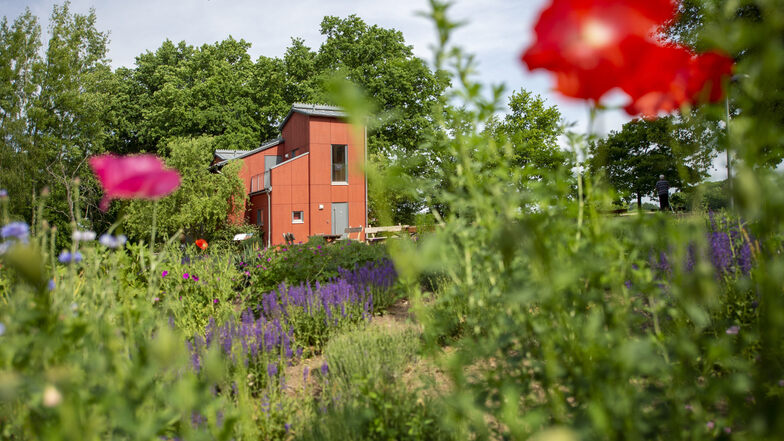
310,181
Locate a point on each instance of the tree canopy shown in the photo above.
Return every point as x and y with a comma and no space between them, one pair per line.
633,158
199,207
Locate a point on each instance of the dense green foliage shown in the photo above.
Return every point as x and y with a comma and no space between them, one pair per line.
64,104
371,400
633,158
548,320
200,206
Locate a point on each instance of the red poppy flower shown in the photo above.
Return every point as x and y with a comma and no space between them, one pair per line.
133,177
581,41
670,77
201,243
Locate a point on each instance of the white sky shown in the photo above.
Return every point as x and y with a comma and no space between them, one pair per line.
496,33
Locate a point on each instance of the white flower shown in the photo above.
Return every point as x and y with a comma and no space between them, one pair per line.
83,236
110,241
52,396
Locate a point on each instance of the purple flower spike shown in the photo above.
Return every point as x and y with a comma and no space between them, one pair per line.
324,369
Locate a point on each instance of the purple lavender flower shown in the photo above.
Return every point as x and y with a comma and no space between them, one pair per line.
324,369
721,251
272,370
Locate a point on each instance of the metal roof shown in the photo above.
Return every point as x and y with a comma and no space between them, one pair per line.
229,154
314,110
246,153
303,108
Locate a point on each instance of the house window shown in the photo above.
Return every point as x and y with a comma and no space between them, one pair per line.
339,164
297,217
259,219
294,153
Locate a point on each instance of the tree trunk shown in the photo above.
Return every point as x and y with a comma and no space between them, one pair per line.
639,201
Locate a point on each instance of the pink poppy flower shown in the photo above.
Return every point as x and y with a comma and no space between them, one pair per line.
133,177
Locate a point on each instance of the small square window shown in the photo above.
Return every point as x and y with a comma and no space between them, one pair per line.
297,217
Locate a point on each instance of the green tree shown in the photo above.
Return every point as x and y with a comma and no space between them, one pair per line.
532,129
20,44
200,206
632,159
54,110
181,91
68,113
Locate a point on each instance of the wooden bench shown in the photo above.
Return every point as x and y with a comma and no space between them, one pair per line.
351,230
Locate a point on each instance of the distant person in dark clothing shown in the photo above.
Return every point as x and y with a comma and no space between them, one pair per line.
663,188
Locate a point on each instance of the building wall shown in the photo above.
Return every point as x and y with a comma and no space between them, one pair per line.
290,193
324,132
296,135
304,183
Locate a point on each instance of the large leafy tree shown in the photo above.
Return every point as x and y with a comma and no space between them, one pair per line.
20,43
200,205
632,159
532,129
54,108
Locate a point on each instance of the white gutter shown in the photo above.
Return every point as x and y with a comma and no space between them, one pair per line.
366,181
269,219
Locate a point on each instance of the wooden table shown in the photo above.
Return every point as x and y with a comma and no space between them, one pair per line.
329,238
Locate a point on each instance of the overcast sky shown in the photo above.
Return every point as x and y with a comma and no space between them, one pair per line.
496,32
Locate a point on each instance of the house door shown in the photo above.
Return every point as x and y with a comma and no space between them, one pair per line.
339,218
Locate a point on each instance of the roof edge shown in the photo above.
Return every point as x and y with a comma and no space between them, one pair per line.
266,145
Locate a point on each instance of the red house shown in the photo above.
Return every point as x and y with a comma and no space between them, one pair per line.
309,181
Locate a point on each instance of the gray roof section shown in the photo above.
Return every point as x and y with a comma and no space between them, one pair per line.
246,153
314,110
229,154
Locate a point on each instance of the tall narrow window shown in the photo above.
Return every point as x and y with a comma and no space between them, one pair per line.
339,164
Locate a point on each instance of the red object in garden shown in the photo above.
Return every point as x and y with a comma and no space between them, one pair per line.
201,243
594,46
671,77
581,41
133,177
